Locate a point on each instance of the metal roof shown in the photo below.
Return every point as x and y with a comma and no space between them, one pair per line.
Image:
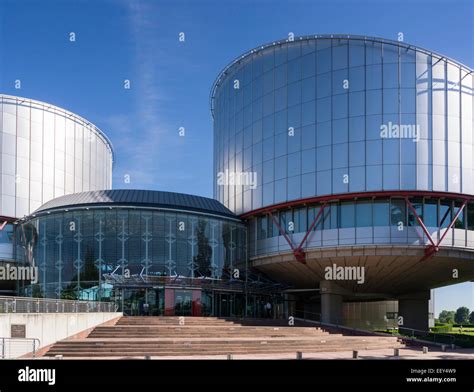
138,198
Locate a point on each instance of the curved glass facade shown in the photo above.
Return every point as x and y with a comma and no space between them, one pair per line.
364,222
47,152
75,249
322,116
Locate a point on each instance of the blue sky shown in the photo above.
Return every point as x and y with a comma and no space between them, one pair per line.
171,80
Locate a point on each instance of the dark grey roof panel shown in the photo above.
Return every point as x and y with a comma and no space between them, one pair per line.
134,197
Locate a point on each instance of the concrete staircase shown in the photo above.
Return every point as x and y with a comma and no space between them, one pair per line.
164,336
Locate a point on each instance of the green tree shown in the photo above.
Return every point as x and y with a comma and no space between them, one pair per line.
447,317
471,318
462,315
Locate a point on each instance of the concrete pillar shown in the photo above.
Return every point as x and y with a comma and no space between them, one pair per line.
331,303
414,309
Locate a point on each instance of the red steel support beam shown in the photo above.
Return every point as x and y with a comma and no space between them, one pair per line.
452,222
420,221
298,251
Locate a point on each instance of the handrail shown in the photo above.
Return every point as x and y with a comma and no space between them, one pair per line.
48,305
3,351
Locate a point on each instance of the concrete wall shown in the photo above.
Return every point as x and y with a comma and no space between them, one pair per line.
47,327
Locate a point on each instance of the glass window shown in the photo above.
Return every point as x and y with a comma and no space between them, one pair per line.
323,60
257,88
268,82
390,100
339,54
444,214
294,70
294,116
364,214
408,100
418,206
339,80
374,177
356,53
357,79
470,216
356,128
257,65
280,99
373,77
309,65
397,212
340,131
280,76
373,53
340,155
390,76
280,123
267,127
356,154
323,134
408,75
430,213
323,110
281,141
308,161
294,141
381,212
294,94
390,53
347,216
280,168
308,137
340,106
374,103
309,113
280,191
280,55
309,89
323,158
323,85
294,164
357,104
294,50
268,59
268,167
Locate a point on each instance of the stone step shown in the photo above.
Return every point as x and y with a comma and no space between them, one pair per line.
227,350
163,336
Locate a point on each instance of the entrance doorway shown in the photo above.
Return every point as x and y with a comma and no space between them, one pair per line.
183,303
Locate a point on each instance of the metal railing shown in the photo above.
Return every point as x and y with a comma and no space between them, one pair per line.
435,338
44,305
16,347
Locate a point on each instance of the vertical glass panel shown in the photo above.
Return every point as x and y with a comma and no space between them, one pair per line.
397,212
339,56
418,207
444,214
356,53
347,216
430,213
381,213
364,214
323,85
